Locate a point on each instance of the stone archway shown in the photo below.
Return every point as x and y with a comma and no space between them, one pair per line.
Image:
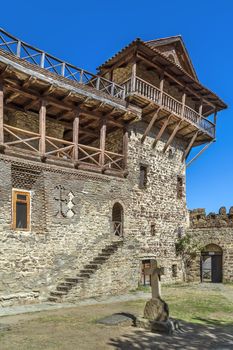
211,264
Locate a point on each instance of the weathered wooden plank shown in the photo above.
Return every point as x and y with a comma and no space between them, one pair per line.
186,152
125,147
76,138
172,136
161,131
150,125
102,141
1,114
42,127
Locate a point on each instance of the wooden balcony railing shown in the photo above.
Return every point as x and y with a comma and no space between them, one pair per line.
54,65
20,140
169,103
118,228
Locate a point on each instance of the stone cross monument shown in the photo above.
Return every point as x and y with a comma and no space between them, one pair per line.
155,273
156,309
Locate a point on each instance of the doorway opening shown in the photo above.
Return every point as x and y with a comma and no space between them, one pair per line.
211,264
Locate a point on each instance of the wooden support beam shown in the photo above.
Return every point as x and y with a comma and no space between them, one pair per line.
161,86
76,139
42,127
12,97
33,95
172,136
125,148
31,105
150,125
186,152
161,131
1,114
102,142
183,103
133,77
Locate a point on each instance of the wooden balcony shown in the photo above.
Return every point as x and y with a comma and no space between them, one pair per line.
51,64
25,143
140,88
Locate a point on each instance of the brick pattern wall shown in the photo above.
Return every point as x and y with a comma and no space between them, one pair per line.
32,263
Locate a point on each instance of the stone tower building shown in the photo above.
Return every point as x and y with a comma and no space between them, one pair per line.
92,168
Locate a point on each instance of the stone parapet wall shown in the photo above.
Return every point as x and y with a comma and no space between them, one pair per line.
199,218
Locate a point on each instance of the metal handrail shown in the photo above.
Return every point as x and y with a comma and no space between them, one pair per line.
40,58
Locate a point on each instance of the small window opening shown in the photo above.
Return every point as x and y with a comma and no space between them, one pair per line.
152,229
143,176
174,270
117,219
21,210
145,277
180,187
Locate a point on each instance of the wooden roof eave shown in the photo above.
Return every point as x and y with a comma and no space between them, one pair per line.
176,72
30,75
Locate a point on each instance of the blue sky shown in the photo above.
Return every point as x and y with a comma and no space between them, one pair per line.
86,33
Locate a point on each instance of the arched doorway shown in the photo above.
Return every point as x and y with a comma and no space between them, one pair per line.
211,264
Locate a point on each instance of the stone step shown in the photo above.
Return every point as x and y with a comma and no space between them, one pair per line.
104,255
90,271
109,250
74,280
63,288
91,266
57,293
84,275
54,299
99,259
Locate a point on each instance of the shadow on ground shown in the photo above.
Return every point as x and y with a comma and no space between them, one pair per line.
191,337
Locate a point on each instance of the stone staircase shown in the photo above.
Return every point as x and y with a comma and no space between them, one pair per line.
88,270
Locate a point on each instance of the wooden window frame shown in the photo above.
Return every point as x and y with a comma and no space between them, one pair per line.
16,192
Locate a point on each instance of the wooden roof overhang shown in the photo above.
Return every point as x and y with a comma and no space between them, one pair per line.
141,50
25,85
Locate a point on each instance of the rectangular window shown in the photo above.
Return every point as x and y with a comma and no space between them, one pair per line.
145,277
152,229
180,187
21,210
143,176
174,270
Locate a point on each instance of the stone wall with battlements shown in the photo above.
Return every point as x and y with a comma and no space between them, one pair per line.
209,229
71,221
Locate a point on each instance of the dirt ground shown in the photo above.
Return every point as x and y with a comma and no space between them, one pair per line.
206,314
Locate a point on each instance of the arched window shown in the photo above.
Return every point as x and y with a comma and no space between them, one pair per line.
117,219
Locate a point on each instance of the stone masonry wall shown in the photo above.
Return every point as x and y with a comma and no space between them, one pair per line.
71,222
213,229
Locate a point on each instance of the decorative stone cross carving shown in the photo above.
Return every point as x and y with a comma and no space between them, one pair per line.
60,199
155,273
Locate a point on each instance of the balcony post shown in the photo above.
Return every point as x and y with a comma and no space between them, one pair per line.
200,109
161,86
183,103
1,114
133,77
102,142
42,127
125,148
76,139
